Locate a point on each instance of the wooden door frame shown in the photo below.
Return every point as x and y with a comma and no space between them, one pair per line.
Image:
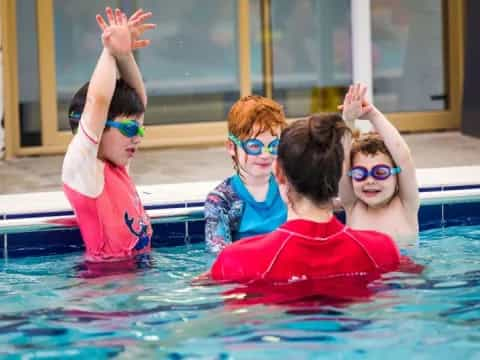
195,133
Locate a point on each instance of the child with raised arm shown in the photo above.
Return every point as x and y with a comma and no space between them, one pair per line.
379,188
247,203
106,116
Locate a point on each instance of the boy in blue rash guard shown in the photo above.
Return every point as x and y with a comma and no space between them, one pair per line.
248,203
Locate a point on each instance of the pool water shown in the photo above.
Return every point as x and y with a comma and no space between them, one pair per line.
51,308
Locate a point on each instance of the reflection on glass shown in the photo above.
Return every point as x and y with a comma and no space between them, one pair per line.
28,75
311,46
408,55
256,50
191,68
77,47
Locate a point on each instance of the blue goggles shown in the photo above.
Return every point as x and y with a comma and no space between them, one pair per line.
378,172
128,127
255,147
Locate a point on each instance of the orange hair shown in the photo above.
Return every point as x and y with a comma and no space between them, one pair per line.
253,112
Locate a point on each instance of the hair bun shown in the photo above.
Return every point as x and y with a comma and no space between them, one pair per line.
326,129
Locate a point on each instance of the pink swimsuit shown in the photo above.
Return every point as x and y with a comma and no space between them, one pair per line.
110,214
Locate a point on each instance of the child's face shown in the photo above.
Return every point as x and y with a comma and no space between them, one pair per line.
116,147
373,192
255,165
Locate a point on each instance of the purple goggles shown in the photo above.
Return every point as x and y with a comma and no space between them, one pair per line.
378,172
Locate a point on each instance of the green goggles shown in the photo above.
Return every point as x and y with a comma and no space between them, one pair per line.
127,127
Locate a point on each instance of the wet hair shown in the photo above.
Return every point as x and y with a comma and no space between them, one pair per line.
311,156
125,102
252,115
369,144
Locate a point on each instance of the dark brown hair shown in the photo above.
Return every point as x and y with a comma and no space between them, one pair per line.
125,102
311,155
369,144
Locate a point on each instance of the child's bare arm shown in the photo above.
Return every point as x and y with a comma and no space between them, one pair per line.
407,179
126,63
347,196
352,108
116,41
99,95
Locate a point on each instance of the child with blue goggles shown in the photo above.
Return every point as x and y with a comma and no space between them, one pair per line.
247,203
379,190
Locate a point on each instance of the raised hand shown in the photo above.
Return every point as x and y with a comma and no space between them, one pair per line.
355,105
116,36
137,28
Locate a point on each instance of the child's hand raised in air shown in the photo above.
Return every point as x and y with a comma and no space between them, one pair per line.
116,36
355,105
137,28
121,35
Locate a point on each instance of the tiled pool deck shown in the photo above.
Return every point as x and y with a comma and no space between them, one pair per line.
185,165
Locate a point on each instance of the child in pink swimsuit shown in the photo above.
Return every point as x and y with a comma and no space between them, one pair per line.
106,116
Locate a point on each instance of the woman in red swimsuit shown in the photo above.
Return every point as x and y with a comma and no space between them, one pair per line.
312,244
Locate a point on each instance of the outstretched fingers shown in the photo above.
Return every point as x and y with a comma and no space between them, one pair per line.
141,44
135,14
110,15
120,18
101,22
139,19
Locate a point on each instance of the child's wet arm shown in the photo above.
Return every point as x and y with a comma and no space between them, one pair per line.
392,138
100,92
408,186
217,229
346,193
130,72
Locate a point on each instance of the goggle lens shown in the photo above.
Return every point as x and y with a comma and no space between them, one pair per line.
128,128
358,174
255,147
273,147
378,172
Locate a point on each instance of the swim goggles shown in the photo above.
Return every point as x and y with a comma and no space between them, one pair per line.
378,172
128,127
256,147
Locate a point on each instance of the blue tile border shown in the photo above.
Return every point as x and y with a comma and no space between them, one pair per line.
37,215
431,189
173,234
449,188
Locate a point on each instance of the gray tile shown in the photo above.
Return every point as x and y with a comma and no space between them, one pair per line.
42,173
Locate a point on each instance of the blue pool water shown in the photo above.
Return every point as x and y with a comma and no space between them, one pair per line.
49,308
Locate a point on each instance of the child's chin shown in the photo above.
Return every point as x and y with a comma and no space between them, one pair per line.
376,203
120,162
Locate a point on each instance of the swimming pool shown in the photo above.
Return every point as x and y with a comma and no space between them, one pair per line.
53,306
51,309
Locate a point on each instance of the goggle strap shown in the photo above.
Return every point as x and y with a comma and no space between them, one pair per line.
235,140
